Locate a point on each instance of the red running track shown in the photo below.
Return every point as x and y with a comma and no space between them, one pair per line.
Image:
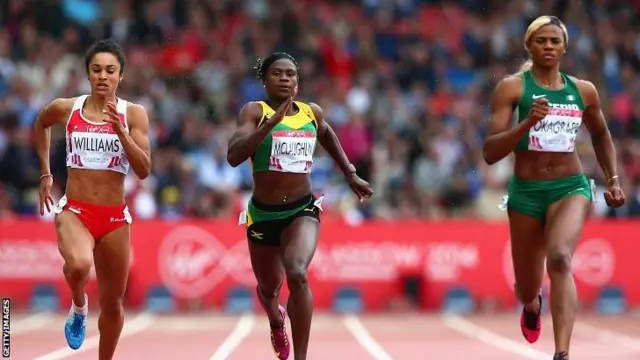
378,337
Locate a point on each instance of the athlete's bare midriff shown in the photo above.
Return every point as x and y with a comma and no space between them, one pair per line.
533,165
272,187
97,187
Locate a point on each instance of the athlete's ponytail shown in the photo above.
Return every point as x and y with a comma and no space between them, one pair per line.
526,66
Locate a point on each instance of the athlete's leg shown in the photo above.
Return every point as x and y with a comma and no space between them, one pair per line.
527,253
267,267
299,242
565,219
75,244
112,254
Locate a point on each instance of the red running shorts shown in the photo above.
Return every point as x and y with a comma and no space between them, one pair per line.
100,220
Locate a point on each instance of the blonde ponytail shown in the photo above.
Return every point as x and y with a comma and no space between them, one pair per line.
526,66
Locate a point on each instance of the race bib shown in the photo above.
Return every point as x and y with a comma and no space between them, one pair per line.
557,132
292,151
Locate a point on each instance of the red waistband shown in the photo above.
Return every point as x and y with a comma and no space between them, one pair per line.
83,204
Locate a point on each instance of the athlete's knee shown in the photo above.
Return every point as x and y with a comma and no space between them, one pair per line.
297,275
77,265
559,260
112,306
270,289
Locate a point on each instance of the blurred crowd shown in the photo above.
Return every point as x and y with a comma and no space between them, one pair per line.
405,84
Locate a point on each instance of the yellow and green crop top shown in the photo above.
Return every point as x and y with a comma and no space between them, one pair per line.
290,145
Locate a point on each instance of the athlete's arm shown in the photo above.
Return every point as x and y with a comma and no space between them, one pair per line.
595,122
55,113
501,136
330,142
136,142
245,140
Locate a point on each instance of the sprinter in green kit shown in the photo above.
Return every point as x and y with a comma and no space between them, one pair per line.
549,197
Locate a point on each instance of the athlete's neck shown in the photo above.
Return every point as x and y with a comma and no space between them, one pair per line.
275,104
99,103
549,78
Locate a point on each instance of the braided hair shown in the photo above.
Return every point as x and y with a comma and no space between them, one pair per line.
262,65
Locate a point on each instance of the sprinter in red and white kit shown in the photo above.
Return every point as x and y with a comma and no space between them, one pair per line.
105,136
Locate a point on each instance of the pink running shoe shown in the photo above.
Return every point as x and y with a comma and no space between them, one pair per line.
531,324
279,339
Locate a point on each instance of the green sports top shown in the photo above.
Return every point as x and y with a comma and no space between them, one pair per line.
290,145
558,130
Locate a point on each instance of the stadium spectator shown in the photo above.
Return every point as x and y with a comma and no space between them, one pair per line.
408,100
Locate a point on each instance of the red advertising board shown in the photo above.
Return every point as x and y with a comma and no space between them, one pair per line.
205,259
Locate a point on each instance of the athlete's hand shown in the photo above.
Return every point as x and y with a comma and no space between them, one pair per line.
614,196
284,108
539,110
44,193
360,187
113,118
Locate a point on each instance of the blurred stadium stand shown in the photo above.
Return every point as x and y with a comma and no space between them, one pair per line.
405,83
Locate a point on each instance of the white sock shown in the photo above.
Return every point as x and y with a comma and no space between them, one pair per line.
81,310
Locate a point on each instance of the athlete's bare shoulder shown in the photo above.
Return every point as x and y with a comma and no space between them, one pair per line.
509,89
62,104
135,109
511,84
132,105
587,89
513,79
56,112
583,84
252,107
137,114
250,112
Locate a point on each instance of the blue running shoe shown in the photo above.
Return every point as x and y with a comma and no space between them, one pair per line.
75,329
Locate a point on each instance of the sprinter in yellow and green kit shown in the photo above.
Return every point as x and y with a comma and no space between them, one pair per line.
549,197
282,219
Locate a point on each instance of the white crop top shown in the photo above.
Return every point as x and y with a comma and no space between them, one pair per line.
92,145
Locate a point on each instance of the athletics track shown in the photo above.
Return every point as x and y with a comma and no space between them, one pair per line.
206,336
